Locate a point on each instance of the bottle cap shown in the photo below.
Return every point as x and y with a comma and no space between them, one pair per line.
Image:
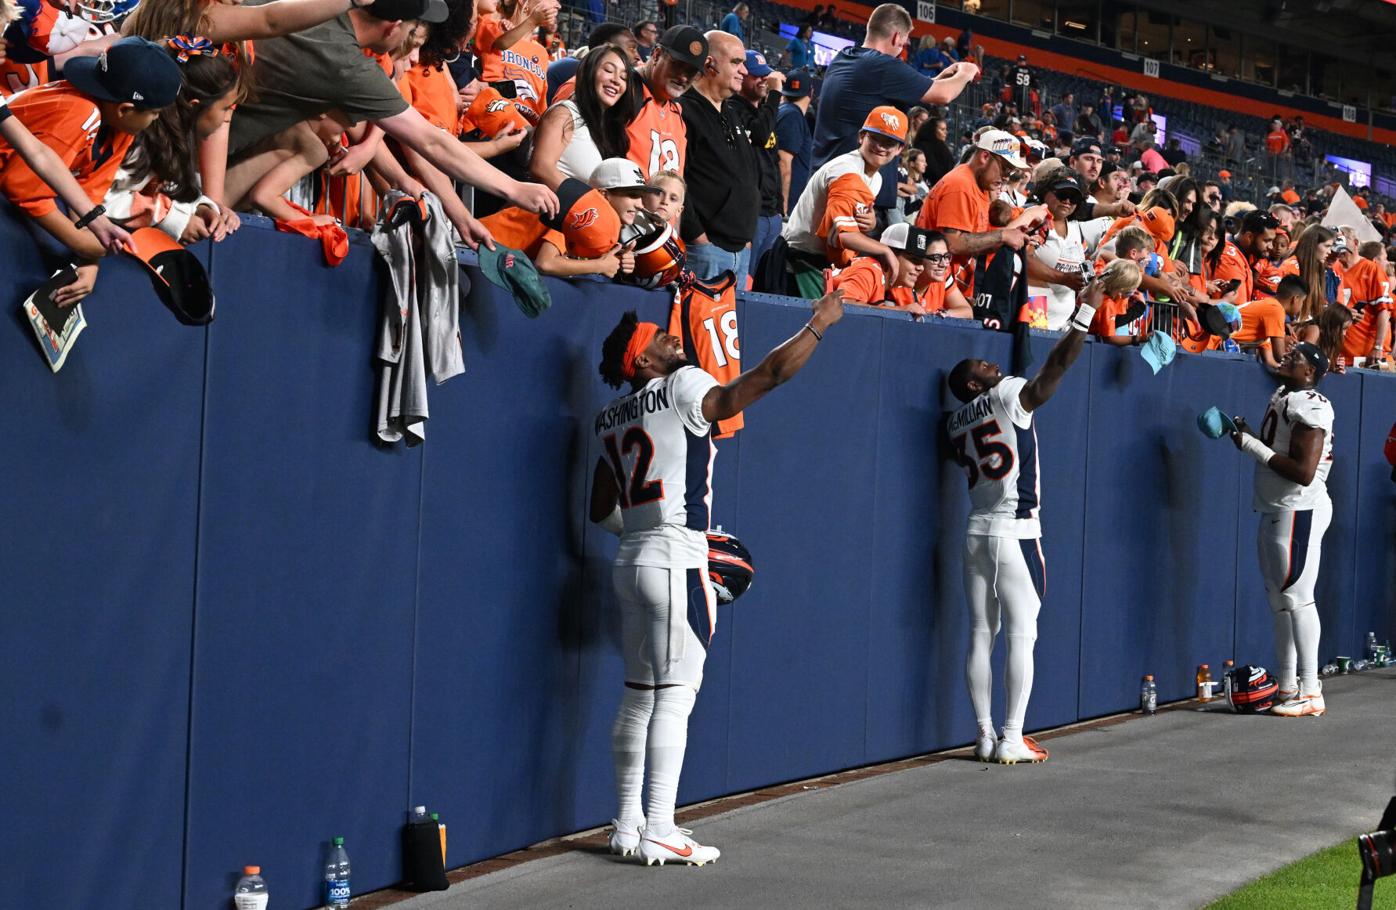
435,817
420,810
1204,667
1149,678
339,842
251,870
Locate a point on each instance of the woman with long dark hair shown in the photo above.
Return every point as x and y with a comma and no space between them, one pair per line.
576,135
1310,263
933,139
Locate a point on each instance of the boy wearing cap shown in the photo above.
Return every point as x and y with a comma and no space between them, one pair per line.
584,239
918,251
830,217
794,141
89,118
958,205
1294,451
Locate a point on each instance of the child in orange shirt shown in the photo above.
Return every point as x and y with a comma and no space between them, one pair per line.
1122,318
1366,290
90,119
584,239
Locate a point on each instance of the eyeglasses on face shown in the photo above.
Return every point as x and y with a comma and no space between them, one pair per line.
937,258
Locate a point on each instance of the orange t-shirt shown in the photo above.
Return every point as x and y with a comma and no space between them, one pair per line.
1358,201
658,136
1233,265
957,203
432,92
70,123
565,91
1290,196
1367,283
1261,319
514,227
1106,323
849,196
525,64
862,281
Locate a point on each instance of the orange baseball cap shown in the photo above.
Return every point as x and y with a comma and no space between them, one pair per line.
491,113
587,221
1159,223
1224,174
886,120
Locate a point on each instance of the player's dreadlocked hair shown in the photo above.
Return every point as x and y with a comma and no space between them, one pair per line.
958,380
613,350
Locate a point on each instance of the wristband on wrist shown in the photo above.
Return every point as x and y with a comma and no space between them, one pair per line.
815,332
1083,317
97,211
1256,449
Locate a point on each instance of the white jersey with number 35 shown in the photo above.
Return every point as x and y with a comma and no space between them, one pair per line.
996,443
660,450
1287,409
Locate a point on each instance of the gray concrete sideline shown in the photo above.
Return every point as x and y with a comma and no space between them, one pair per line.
1169,812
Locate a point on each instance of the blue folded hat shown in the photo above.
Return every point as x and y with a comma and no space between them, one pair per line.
1214,424
1158,351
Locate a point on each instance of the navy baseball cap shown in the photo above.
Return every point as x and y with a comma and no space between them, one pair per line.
408,10
797,84
1085,146
131,71
756,64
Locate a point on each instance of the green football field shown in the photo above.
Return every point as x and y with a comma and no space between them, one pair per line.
1326,880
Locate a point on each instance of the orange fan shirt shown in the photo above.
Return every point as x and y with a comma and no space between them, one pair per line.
957,203
432,92
1234,265
1367,283
70,123
525,64
704,315
658,136
1261,319
1106,323
849,196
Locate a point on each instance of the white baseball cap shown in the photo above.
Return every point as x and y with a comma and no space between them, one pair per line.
620,174
1006,145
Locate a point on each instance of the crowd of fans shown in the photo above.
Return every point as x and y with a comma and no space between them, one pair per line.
179,114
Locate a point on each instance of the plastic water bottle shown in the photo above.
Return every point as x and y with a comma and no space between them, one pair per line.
1148,696
1372,649
251,892
337,877
1206,686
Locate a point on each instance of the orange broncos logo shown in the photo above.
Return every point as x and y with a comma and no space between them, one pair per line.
578,221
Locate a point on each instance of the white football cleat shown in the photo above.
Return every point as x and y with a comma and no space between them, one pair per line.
1285,695
1011,753
625,839
1302,706
675,848
984,747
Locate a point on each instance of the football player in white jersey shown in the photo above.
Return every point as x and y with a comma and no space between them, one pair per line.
653,487
1295,452
996,443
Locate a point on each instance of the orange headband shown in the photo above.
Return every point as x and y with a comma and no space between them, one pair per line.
644,334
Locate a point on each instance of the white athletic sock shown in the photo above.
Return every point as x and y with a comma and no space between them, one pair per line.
628,749
668,736
1306,635
979,676
1285,660
1017,684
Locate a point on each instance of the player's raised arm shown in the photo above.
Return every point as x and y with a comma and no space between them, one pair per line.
784,361
1044,385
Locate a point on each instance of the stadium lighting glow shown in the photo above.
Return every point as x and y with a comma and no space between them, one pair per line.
1071,23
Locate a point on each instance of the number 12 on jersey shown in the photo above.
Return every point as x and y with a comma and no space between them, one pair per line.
634,489
992,458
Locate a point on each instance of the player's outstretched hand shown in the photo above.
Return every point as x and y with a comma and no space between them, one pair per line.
828,309
1242,429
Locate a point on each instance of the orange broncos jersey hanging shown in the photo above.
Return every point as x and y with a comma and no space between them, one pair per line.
704,315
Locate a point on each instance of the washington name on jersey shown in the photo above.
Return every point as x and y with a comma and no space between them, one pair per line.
1274,493
996,443
660,451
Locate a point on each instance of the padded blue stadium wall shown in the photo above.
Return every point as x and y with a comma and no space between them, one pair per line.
234,627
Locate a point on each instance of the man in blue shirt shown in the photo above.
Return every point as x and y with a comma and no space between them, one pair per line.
862,78
734,23
794,141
